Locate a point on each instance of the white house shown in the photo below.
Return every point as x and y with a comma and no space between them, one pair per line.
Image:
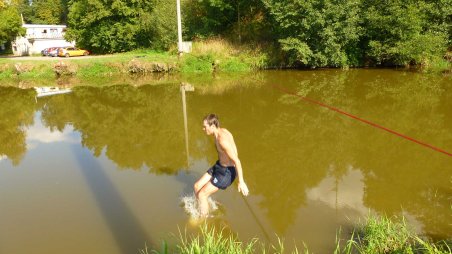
39,37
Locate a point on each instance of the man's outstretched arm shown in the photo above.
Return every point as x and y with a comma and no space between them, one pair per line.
230,152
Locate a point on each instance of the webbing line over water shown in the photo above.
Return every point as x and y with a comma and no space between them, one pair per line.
362,120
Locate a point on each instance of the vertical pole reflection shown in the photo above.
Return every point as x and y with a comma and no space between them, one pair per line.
183,88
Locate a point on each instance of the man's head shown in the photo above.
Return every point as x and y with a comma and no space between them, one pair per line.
210,123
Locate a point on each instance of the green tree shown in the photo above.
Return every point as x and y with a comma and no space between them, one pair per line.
207,17
439,14
10,22
404,32
42,11
240,20
318,33
47,11
25,9
160,25
110,26
65,11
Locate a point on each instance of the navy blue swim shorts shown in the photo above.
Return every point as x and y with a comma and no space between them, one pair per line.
222,177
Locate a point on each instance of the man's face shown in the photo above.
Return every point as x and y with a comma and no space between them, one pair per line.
207,128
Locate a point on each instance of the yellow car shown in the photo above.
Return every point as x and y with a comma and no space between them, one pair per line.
72,51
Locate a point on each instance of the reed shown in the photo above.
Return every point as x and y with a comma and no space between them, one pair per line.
214,46
219,55
379,234
214,241
382,235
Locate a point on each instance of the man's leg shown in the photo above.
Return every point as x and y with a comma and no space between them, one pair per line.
203,194
201,182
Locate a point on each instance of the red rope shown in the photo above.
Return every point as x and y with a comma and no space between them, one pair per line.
363,120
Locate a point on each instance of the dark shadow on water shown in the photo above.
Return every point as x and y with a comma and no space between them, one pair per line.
127,231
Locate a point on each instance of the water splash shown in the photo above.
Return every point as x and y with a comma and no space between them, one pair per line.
190,204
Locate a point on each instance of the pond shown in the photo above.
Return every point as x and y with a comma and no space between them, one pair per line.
102,169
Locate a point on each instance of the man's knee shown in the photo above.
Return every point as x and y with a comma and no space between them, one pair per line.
200,184
202,194
197,187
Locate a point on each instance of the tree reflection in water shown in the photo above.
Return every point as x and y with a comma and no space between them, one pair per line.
17,107
304,139
287,146
135,127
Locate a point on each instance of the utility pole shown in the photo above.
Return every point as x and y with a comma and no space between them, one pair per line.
179,28
238,21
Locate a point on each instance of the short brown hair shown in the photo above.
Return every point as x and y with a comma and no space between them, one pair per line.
212,119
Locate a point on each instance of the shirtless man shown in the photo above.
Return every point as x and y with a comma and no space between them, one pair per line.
223,173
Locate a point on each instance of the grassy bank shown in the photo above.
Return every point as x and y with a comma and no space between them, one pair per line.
376,235
209,56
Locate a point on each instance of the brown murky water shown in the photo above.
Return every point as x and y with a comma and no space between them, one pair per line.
102,169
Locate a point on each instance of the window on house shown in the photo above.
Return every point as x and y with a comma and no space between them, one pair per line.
44,31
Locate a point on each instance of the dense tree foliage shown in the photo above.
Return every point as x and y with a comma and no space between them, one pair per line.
106,26
160,28
333,32
121,25
349,32
318,33
401,32
42,11
47,11
310,33
10,23
238,20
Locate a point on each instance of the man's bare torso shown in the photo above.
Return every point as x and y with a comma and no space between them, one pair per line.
224,136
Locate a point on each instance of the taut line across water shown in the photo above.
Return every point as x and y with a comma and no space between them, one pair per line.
361,120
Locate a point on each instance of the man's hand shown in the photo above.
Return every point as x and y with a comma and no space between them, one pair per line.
243,188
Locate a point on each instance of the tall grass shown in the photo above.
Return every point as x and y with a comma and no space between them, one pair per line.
439,65
209,240
215,46
382,235
220,55
214,241
379,234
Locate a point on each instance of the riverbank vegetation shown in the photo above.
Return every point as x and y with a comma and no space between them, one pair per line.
379,234
214,55
289,34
